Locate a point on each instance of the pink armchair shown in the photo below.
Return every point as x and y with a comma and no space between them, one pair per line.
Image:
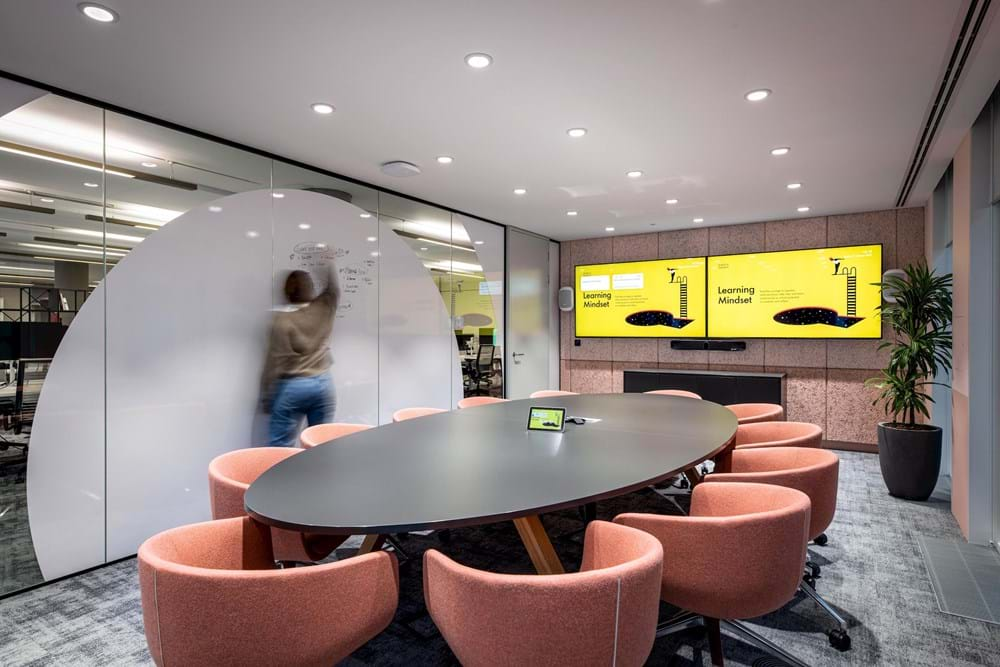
210,597
603,615
738,555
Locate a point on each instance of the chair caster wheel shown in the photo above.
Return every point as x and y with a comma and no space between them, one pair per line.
821,540
684,483
840,640
814,570
809,579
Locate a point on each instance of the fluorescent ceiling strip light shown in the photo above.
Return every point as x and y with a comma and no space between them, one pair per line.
12,275
446,245
451,265
58,159
100,235
70,259
56,248
25,268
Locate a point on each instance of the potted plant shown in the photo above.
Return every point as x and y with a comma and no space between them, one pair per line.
917,307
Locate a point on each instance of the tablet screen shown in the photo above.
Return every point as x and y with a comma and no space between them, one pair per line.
546,419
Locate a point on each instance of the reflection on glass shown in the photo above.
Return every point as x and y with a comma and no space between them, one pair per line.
51,178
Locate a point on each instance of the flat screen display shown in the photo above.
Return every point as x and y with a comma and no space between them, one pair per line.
546,419
663,298
819,293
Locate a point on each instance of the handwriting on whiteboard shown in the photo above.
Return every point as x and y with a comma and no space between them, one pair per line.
355,275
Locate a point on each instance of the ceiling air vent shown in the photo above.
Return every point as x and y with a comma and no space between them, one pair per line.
400,169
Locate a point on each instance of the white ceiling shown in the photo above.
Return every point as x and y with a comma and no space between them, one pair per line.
659,85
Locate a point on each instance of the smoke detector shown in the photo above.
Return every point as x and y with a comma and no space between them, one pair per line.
400,169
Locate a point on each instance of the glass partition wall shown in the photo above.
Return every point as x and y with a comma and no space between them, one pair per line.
140,269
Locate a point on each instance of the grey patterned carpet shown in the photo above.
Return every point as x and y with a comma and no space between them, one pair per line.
872,571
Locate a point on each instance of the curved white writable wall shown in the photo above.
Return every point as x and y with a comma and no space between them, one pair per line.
416,339
188,312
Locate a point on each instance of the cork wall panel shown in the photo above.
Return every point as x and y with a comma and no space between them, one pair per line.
795,234
865,228
797,353
683,243
910,236
805,394
635,248
735,239
591,377
850,415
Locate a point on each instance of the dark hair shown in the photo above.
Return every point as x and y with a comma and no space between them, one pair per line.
298,287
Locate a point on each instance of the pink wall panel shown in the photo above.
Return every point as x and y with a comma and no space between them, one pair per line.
635,248
591,377
795,234
850,415
864,228
805,394
735,239
910,236
797,353
825,379
683,243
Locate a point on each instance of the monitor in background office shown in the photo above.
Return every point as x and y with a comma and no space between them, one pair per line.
486,336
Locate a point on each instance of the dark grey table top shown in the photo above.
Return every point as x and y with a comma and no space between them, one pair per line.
479,465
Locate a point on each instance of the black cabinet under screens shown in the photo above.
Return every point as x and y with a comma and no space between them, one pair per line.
723,387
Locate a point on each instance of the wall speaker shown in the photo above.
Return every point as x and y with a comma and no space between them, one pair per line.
566,299
889,295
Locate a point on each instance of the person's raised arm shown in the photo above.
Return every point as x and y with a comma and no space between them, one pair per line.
332,290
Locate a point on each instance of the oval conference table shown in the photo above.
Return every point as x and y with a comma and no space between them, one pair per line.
481,465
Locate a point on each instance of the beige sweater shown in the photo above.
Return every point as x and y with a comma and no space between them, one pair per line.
299,344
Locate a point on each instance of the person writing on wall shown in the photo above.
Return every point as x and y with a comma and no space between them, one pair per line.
297,381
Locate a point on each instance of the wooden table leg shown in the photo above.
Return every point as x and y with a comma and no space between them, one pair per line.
371,543
536,541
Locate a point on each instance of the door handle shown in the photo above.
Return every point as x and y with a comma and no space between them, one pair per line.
515,355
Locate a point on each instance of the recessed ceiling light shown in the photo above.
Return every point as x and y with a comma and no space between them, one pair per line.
46,200
634,174
576,132
214,209
424,248
757,95
802,209
88,184
520,191
793,186
671,201
780,150
252,234
445,159
479,242
571,213
478,60
304,225
699,220
372,239
609,229
149,165
278,195
374,253
366,215
97,12
322,108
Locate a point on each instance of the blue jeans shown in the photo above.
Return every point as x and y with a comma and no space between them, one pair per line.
312,397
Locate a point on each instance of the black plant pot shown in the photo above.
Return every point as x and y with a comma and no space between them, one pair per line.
910,459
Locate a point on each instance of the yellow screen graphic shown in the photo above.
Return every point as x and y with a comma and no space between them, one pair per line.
663,298
822,293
